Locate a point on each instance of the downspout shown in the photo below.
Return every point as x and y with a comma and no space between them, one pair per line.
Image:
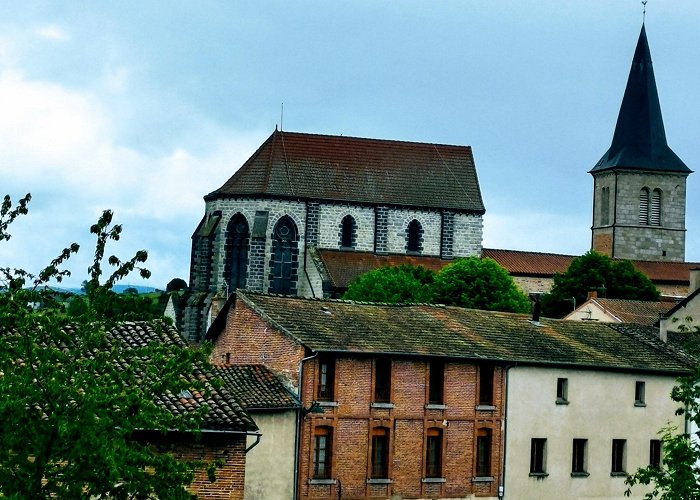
257,442
306,248
297,440
501,487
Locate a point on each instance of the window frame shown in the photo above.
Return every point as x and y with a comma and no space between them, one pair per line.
562,391
483,464
618,458
382,380
325,379
644,198
487,374
323,453
538,457
433,453
348,231
379,453
579,458
655,453
436,382
414,233
640,393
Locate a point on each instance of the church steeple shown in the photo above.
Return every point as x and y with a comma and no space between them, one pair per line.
639,142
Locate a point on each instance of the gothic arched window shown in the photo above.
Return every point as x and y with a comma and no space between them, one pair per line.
285,257
237,238
655,210
414,236
644,206
348,230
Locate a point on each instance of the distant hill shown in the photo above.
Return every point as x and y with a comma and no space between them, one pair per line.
116,288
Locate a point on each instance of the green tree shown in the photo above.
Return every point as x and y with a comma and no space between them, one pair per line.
615,279
479,284
398,284
175,285
74,399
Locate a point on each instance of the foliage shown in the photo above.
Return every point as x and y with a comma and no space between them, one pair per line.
678,477
175,285
479,284
75,399
614,279
473,282
399,284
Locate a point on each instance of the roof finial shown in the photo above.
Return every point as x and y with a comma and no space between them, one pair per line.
644,10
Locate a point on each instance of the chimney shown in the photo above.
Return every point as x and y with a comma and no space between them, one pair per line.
663,328
694,280
592,294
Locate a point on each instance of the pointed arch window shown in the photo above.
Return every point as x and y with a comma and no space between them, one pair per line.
285,257
414,236
644,206
237,242
605,206
348,232
655,208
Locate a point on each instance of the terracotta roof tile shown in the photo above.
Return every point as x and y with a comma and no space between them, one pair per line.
256,387
425,330
358,170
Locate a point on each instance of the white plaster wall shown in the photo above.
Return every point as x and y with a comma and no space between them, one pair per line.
596,314
601,408
691,309
330,216
397,223
269,469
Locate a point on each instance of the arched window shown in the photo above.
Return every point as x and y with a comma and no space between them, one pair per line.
285,257
414,236
655,211
605,206
237,238
644,206
348,231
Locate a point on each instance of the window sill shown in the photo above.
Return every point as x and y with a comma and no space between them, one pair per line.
580,474
433,480
482,479
618,474
483,407
385,406
539,474
322,481
562,401
640,404
435,406
378,480
327,404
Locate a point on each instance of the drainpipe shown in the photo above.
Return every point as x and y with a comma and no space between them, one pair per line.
297,437
501,487
306,249
257,442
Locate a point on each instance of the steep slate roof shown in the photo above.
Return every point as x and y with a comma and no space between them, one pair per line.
639,141
344,266
255,387
452,332
641,312
351,169
224,411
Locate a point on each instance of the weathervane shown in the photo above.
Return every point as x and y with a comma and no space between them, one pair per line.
644,11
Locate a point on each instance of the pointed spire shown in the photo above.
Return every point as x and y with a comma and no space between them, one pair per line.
639,141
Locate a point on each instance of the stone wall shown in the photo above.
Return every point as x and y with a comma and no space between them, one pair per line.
397,223
330,217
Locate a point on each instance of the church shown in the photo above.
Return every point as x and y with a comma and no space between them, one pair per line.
307,213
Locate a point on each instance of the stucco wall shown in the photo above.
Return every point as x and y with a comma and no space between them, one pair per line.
269,470
601,408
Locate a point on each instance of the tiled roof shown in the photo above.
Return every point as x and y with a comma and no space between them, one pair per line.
426,330
351,169
640,312
256,387
224,412
519,263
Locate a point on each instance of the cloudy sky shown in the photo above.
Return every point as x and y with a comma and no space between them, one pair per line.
144,109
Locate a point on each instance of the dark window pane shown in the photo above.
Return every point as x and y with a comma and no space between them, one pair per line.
380,453
618,456
415,232
578,456
382,381
323,452
436,382
562,389
347,232
285,253
433,453
486,385
537,455
237,241
483,453
655,453
326,372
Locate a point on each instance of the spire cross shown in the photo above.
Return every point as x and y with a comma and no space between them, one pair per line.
644,10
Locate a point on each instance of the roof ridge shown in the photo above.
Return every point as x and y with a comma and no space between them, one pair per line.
374,139
342,301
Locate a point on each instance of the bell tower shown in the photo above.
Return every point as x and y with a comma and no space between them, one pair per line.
639,185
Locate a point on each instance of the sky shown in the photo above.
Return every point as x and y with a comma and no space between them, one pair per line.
144,109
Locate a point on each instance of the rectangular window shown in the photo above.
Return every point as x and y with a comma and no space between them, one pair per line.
618,456
436,383
483,453
655,453
486,385
639,389
323,452
382,380
538,451
326,372
380,453
433,453
578,456
562,390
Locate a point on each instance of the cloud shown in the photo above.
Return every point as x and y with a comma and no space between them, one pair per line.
51,32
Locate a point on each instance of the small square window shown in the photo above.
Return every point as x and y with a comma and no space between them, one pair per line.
538,456
655,453
578,458
618,457
562,391
639,389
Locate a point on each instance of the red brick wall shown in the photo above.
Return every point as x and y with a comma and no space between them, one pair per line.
248,339
353,418
230,479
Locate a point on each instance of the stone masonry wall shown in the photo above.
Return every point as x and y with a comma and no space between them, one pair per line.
330,217
468,235
398,222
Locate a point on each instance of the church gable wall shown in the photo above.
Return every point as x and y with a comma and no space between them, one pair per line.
468,232
397,224
330,217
